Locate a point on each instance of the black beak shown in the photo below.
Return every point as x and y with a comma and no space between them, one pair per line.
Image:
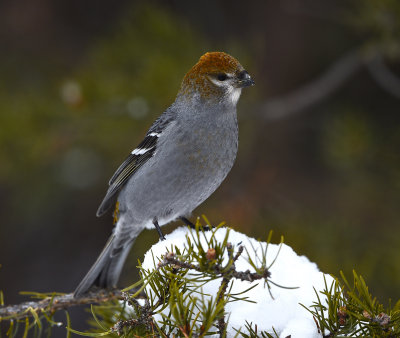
245,80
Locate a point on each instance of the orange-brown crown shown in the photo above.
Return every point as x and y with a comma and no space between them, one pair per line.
214,62
210,63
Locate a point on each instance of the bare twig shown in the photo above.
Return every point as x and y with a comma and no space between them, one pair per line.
144,315
52,304
383,76
240,251
170,259
315,91
221,324
330,81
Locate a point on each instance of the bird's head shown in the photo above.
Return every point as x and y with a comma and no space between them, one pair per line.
217,76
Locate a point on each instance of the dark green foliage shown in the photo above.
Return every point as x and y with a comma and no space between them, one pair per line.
252,332
351,311
378,22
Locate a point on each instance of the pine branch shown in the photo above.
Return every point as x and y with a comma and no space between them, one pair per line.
51,304
227,273
145,316
221,324
170,259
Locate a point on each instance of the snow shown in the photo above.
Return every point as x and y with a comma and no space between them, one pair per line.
282,312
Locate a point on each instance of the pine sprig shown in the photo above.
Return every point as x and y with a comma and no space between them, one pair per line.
175,304
349,310
169,300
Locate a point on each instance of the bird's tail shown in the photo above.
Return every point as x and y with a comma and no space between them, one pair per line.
106,270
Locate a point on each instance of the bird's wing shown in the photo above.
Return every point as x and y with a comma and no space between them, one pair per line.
140,155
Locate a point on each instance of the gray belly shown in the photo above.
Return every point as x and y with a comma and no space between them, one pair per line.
180,175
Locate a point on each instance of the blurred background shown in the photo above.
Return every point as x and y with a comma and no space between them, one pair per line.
319,159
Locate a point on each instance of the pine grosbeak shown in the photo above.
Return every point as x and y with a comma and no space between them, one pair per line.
184,157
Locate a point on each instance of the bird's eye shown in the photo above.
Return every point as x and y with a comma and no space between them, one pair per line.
222,77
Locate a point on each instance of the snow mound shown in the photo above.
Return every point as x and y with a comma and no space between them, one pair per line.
281,312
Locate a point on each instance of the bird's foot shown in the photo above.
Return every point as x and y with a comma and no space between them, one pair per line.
155,222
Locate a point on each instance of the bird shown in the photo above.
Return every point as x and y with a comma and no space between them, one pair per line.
184,157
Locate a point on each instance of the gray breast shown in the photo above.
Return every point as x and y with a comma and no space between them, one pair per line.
190,162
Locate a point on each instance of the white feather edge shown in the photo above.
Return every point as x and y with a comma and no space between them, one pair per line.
140,151
144,150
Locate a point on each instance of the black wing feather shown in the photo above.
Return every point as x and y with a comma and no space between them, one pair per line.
123,173
150,143
134,161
